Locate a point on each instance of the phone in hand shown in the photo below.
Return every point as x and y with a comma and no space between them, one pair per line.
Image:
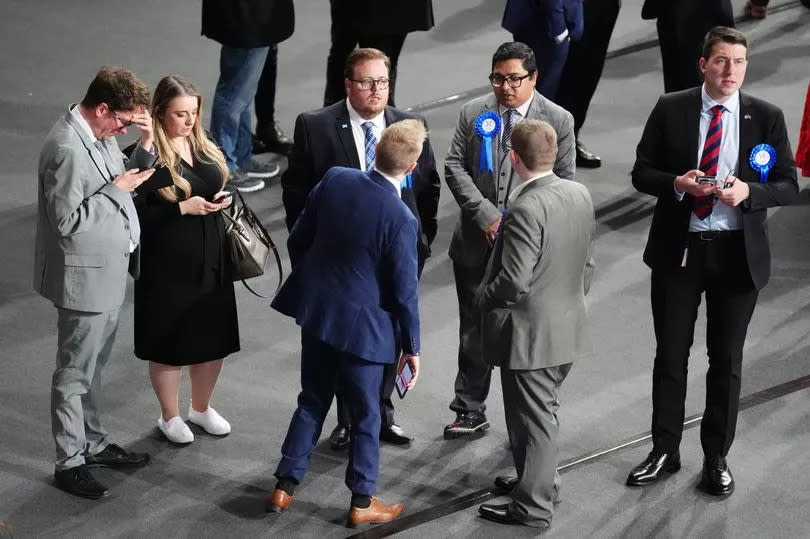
404,377
714,180
222,198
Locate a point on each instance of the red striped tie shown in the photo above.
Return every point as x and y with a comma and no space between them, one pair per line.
702,206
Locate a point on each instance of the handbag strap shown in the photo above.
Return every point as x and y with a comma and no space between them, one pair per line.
271,244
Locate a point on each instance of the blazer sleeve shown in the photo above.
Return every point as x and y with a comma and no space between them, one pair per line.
402,263
782,186
522,238
646,177
297,181
69,208
304,227
473,204
427,199
154,211
565,165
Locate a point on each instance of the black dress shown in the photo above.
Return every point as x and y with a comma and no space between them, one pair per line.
185,309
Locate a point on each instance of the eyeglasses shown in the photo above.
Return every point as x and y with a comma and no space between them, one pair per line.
124,123
367,84
514,81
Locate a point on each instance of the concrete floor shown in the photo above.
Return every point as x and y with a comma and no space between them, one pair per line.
214,487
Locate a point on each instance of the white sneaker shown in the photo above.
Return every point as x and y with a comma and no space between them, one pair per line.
210,421
175,430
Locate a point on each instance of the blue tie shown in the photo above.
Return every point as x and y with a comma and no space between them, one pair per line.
371,143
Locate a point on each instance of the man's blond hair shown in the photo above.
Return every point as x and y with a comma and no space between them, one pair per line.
535,142
399,146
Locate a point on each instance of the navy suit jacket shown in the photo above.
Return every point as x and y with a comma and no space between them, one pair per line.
544,18
353,279
323,139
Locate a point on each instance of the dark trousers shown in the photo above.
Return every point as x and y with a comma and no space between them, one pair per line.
474,372
344,40
265,100
681,31
550,57
718,269
322,368
530,403
386,404
586,58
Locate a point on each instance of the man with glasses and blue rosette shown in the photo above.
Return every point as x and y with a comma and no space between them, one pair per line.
346,134
480,176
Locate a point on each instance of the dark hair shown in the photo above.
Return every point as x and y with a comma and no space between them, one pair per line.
535,142
515,50
361,55
722,34
119,88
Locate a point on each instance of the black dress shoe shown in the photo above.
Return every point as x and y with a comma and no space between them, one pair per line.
717,479
498,513
273,140
506,482
586,159
115,456
653,467
393,434
466,423
79,481
340,437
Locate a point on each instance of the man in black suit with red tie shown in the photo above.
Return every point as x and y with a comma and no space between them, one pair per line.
708,236
345,134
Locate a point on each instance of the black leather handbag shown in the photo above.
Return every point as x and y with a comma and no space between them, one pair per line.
247,244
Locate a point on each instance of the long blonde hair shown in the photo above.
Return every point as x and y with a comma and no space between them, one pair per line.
202,147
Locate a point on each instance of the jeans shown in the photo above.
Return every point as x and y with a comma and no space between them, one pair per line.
231,112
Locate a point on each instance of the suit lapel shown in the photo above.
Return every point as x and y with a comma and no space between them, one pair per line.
92,151
344,133
748,137
691,130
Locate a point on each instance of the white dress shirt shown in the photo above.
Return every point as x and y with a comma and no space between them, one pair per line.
395,182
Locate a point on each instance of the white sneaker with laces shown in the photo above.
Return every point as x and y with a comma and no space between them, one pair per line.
210,421
175,430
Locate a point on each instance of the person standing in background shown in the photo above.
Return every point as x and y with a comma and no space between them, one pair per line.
371,24
583,69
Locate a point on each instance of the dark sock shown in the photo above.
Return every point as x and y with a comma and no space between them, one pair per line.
361,501
287,484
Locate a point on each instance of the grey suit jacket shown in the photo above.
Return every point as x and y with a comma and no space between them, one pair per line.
82,244
481,194
532,298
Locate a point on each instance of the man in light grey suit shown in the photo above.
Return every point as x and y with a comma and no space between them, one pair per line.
481,186
534,319
87,238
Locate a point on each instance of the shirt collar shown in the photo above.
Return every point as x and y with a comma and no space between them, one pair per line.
395,182
77,115
355,118
516,191
730,104
522,110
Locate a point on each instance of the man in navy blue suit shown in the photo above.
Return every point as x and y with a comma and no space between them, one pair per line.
547,26
353,286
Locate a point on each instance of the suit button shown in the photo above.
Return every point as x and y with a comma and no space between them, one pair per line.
500,188
500,202
126,255
503,173
126,227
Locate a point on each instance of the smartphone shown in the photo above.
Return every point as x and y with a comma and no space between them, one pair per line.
717,182
404,377
222,198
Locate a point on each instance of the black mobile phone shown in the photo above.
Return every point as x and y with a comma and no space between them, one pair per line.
404,377
222,198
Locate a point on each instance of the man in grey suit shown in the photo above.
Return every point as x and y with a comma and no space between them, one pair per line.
534,319
480,176
87,236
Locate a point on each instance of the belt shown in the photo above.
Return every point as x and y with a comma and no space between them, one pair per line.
711,235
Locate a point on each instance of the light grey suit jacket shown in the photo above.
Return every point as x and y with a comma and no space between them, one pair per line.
477,192
83,225
532,298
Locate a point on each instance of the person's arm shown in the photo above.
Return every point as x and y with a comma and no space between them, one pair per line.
522,237
297,181
427,199
69,208
565,166
304,227
473,204
401,261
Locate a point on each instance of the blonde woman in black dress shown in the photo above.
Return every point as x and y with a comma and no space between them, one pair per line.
185,310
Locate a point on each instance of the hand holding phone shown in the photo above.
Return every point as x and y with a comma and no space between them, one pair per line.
221,197
407,373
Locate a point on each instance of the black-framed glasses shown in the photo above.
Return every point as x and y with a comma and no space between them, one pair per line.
514,81
124,123
368,84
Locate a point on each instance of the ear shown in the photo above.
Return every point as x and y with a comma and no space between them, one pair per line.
514,158
702,64
101,110
411,168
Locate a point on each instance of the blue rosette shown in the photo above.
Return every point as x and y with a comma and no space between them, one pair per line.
487,126
762,159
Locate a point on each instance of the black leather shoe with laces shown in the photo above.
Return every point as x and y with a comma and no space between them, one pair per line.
653,467
717,479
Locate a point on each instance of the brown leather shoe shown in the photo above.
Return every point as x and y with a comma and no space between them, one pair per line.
376,513
278,501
